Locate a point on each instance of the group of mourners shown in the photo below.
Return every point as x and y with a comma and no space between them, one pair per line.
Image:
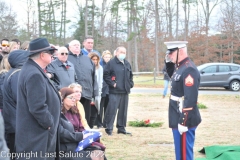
52,97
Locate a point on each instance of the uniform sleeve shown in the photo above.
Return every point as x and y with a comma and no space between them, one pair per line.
190,86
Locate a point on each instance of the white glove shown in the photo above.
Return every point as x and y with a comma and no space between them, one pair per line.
180,104
182,129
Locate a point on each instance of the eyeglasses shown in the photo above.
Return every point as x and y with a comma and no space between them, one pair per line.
71,97
64,53
50,53
5,45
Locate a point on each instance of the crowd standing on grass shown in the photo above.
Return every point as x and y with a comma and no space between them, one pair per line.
52,96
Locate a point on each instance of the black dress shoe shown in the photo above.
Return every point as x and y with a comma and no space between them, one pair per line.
124,132
108,132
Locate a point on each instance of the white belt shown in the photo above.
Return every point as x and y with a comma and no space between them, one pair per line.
175,98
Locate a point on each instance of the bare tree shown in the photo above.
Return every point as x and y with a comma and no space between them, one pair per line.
93,14
177,18
156,35
170,17
230,27
86,18
8,22
186,15
103,15
207,12
129,31
39,18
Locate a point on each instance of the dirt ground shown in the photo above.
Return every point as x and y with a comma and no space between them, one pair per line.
220,126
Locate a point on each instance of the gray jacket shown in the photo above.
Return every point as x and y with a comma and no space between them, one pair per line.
85,71
62,75
3,145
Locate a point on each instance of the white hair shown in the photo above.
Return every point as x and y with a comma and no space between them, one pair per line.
73,42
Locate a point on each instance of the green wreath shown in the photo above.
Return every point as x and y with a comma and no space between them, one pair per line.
146,123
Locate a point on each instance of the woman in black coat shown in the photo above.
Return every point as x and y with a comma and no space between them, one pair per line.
16,60
69,139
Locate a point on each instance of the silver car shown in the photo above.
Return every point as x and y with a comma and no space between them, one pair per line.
225,75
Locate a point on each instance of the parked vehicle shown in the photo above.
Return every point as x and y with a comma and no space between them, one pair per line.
225,75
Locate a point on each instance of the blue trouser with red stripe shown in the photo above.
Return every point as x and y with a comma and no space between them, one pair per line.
184,144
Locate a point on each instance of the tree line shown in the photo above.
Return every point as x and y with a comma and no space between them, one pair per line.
142,26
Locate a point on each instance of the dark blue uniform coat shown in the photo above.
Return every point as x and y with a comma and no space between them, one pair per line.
185,83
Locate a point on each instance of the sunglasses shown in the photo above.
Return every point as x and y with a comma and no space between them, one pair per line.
5,45
71,97
64,53
50,53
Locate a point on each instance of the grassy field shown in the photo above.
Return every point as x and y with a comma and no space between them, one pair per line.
147,81
220,126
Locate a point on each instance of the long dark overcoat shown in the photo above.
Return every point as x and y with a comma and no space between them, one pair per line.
38,108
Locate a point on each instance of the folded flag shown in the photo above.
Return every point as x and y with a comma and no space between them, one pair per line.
95,135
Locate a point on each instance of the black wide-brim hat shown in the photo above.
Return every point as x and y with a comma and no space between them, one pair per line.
38,45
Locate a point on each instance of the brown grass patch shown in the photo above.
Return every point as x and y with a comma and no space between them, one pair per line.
220,126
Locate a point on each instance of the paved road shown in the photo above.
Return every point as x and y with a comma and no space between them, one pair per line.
207,91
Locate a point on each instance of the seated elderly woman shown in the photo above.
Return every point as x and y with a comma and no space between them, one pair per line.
73,137
77,88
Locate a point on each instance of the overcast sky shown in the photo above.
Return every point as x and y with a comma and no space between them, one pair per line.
19,6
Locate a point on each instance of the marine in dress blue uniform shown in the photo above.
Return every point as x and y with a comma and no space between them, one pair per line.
184,116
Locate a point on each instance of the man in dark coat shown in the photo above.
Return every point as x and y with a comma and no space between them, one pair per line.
85,71
16,60
118,75
184,116
38,105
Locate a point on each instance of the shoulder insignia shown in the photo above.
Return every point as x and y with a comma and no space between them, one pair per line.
189,81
